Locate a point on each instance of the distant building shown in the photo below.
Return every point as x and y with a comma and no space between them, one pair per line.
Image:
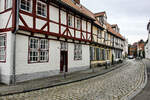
133,50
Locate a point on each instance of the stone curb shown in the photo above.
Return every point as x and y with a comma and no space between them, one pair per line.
138,89
67,82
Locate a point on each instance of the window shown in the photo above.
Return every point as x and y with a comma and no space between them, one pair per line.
64,46
97,53
78,24
26,5
2,48
69,20
106,36
103,54
108,54
99,35
41,9
8,4
77,52
92,53
38,50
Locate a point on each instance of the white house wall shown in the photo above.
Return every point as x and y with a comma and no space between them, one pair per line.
54,13
84,63
4,18
27,71
6,68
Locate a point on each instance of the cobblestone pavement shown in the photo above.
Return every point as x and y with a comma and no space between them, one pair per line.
145,94
111,86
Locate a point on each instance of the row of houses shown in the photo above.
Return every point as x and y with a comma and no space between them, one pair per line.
42,38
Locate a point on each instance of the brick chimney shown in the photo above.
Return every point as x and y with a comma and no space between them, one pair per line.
77,1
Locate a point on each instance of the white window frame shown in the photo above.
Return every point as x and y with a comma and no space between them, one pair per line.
3,48
30,6
99,34
77,52
8,4
45,9
70,21
41,50
78,24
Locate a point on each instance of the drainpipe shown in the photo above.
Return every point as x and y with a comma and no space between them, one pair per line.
16,27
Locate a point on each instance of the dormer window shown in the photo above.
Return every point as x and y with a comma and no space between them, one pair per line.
25,5
41,9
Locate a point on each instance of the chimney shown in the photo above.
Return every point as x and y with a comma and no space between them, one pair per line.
77,1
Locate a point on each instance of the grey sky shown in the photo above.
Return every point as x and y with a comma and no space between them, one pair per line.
132,16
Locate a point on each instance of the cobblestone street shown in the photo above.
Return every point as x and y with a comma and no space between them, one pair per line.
111,86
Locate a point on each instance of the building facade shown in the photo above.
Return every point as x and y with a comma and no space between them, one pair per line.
107,43
42,38
147,45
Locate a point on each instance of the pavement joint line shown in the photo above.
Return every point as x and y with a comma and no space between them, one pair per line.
138,88
68,82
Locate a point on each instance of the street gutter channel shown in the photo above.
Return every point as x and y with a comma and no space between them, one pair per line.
68,82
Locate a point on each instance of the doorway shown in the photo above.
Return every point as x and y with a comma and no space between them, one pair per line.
64,61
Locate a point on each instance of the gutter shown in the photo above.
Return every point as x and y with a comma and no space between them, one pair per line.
15,30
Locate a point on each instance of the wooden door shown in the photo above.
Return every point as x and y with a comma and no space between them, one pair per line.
64,61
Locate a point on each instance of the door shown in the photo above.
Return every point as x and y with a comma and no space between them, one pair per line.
64,61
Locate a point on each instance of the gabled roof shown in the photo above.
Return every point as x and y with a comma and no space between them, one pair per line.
114,25
109,27
79,8
100,14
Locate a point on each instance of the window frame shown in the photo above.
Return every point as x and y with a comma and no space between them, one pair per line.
30,9
42,3
70,22
7,6
39,49
78,24
77,52
5,46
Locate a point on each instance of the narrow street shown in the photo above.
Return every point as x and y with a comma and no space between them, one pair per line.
145,94
111,86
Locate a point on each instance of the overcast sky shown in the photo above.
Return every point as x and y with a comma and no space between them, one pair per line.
131,16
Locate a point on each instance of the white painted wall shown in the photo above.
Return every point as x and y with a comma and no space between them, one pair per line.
22,65
6,68
54,13
29,21
78,63
4,19
2,3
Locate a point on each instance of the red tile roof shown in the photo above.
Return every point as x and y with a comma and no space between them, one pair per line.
109,27
79,8
88,13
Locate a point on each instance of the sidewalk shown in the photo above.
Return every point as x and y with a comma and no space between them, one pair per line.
55,80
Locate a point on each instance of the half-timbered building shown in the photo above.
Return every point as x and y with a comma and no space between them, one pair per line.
41,38
103,49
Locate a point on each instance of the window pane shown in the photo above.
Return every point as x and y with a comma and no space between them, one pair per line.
41,9
2,48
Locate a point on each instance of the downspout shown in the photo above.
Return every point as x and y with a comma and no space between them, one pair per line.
16,28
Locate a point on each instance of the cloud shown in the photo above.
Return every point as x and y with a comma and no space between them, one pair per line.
132,16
